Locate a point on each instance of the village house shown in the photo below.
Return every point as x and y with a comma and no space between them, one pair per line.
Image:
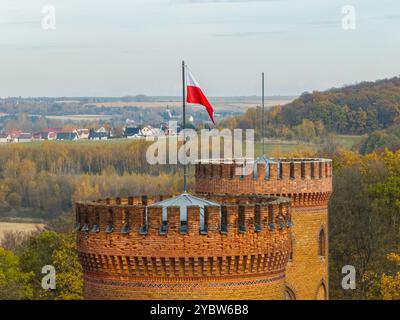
147,131
5,137
132,132
25,137
67,136
98,135
82,133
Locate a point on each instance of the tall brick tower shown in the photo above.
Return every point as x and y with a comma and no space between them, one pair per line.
215,247
308,183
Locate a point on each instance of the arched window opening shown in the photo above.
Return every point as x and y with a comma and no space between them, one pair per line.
322,243
321,293
289,294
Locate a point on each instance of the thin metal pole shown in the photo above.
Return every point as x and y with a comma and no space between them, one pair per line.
263,115
184,122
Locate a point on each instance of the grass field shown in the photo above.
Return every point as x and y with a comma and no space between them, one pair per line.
348,141
272,147
19,227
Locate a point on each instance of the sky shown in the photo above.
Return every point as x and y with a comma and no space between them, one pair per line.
129,47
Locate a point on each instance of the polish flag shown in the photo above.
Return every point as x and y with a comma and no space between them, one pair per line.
196,95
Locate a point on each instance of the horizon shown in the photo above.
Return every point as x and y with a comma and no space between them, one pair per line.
136,47
267,97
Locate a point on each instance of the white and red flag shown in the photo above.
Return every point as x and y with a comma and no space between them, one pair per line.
194,94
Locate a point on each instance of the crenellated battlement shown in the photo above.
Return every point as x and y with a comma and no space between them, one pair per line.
307,181
240,235
268,169
142,216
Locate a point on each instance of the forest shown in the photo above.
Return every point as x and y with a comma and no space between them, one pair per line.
371,109
42,180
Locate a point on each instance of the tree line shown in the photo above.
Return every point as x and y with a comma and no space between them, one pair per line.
356,110
43,180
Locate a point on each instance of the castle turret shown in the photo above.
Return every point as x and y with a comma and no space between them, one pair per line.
215,247
308,183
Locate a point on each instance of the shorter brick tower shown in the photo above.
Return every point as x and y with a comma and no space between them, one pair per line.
233,247
308,183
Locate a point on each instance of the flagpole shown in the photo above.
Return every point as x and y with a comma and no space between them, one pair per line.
263,115
184,122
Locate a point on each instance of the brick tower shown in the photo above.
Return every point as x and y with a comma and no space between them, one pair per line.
308,183
215,247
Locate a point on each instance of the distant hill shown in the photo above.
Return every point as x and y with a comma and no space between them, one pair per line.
355,109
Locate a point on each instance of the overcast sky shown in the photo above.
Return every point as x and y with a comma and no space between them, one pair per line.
127,47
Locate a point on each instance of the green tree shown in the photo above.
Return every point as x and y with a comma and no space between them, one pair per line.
58,250
14,283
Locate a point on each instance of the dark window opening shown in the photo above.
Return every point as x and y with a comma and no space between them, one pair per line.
183,229
280,170
257,218
164,227
144,227
312,169
78,218
125,223
322,243
280,222
303,170
96,225
320,170
224,219
85,227
231,171
292,170
110,227
271,224
241,220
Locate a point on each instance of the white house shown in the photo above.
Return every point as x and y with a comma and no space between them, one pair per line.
147,131
5,137
82,133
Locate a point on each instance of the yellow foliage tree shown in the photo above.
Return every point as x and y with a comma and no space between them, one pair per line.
390,285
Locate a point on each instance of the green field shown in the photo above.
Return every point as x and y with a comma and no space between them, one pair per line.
282,148
273,148
348,141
